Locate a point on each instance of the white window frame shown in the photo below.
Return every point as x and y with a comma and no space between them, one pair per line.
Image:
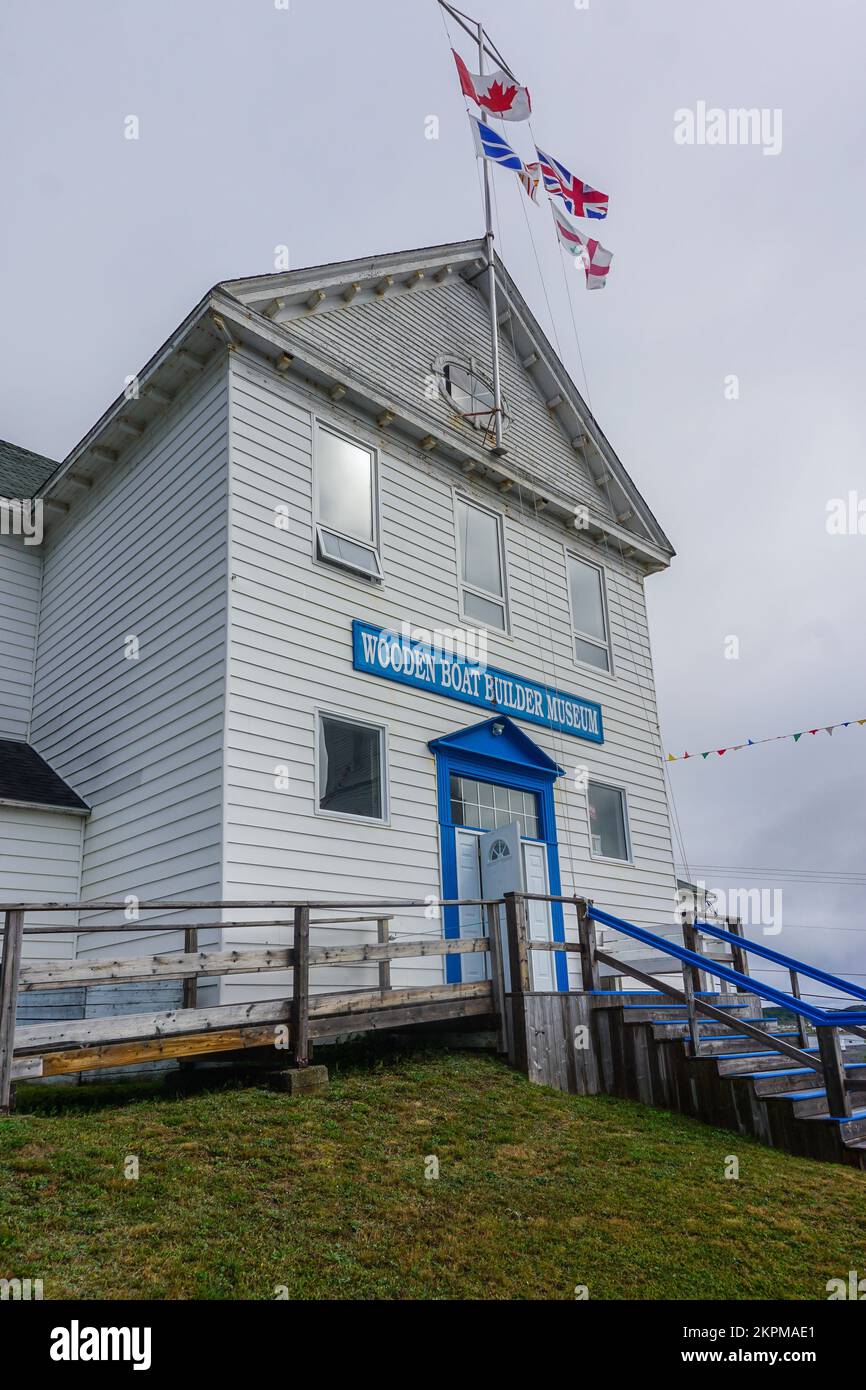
374,546
615,787
468,619
575,631
382,729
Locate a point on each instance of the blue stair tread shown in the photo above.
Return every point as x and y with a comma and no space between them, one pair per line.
839,1119
795,1071
677,1008
678,1022
659,994
770,1052
734,1037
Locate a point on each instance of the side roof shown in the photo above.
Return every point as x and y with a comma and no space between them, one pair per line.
26,779
22,472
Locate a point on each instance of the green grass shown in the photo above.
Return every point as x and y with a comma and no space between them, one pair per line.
242,1189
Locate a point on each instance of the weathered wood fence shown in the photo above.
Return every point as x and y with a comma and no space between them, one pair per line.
291,1024
536,1029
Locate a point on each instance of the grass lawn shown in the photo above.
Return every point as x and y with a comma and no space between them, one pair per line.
242,1189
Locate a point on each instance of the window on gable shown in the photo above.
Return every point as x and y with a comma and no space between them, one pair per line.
471,394
351,768
346,519
588,613
482,565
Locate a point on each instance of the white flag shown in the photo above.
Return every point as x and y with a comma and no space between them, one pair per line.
596,260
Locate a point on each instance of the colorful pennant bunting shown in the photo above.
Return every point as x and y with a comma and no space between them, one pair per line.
753,742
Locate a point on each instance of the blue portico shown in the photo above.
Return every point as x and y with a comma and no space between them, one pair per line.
488,775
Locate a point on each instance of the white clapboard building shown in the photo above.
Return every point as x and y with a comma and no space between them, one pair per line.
298,628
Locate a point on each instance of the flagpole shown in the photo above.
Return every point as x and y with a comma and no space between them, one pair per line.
491,273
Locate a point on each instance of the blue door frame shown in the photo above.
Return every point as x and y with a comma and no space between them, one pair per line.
497,751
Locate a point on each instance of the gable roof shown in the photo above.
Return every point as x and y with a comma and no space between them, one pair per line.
307,303
273,315
22,472
27,779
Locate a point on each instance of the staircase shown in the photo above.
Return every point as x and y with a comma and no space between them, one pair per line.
647,1052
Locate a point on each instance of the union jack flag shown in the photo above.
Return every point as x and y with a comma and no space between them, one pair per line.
580,199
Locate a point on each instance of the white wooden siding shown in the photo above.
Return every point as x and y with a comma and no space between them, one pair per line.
20,575
290,653
40,861
394,342
143,554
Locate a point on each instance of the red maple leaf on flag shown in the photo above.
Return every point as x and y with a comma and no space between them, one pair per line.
498,98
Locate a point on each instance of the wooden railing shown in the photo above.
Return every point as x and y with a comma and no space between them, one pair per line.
308,1014
298,1019
829,1024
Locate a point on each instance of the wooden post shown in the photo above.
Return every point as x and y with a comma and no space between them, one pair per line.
383,933
739,957
801,1022
10,967
300,1010
838,1099
518,960
588,943
497,975
190,984
691,981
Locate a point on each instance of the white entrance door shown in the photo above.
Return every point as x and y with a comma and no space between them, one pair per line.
538,914
501,873
489,865
474,965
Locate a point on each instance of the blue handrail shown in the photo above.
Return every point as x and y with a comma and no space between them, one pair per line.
835,981
745,983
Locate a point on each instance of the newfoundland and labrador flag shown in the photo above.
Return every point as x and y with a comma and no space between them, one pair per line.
495,91
596,261
580,199
493,146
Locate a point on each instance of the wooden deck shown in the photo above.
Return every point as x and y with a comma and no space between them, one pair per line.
289,1026
715,1056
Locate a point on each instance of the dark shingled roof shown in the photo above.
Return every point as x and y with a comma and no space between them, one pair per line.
22,472
25,776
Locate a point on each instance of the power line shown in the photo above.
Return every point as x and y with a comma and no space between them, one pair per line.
842,877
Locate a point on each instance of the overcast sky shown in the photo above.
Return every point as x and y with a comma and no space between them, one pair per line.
261,126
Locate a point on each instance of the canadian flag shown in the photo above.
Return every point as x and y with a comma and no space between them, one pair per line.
592,255
495,91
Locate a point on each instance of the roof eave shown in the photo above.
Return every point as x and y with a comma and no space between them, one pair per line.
275,341
125,407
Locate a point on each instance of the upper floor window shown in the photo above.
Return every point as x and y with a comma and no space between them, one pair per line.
470,393
588,613
482,565
346,503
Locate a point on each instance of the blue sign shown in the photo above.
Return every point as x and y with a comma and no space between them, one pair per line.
395,658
